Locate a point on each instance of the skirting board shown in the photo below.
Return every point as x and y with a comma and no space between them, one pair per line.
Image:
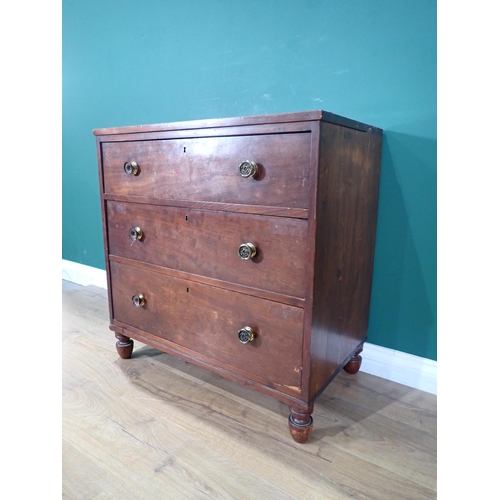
83,275
407,369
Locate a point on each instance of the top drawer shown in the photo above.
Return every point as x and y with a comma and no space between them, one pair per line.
207,169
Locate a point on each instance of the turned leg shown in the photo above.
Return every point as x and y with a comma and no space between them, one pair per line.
354,364
124,346
300,422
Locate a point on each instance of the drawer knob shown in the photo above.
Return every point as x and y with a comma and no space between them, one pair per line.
248,168
246,335
131,168
139,300
247,251
135,233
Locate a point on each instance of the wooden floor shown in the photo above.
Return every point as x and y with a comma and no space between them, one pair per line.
154,427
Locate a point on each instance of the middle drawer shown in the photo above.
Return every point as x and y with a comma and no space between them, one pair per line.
207,243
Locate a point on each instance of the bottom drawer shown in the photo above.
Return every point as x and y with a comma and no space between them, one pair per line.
207,320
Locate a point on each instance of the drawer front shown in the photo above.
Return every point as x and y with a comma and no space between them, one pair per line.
207,320
206,243
207,169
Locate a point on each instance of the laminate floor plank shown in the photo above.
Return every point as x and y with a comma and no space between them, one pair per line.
85,479
210,475
156,427
257,441
413,407
364,480
385,442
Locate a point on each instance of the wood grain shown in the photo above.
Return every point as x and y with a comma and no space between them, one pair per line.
206,243
206,320
154,426
346,214
206,169
297,213
198,278
280,119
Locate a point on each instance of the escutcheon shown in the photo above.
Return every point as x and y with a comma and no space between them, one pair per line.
246,335
248,168
131,168
247,251
139,300
135,233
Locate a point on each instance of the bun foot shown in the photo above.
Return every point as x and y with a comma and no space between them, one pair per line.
354,364
124,346
300,423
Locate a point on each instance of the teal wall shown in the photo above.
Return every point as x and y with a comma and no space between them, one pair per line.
129,62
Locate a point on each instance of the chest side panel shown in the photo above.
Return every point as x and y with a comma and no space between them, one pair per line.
346,213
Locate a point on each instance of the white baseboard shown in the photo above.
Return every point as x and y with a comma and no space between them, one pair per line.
406,369
83,275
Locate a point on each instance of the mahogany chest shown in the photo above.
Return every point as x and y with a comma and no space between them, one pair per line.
245,246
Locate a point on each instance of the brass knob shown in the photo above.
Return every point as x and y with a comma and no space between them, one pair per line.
248,168
247,251
246,335
131,168
139,300
135,233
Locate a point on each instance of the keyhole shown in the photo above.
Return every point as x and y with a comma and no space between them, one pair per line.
186,217
184,149
187,289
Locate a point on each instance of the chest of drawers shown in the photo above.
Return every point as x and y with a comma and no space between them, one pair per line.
245,246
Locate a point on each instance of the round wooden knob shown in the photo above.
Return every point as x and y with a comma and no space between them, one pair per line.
246,335
139,300
247,251
135,233
131,168
248,168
